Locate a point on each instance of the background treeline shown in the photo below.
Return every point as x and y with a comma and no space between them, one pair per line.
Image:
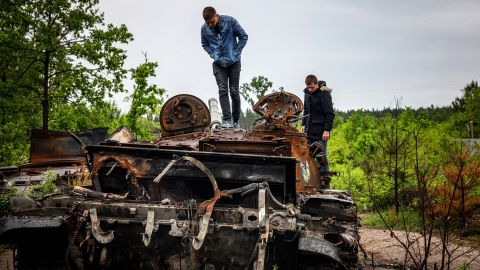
417,174
405,159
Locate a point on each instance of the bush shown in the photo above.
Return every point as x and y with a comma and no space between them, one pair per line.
5,200
48,186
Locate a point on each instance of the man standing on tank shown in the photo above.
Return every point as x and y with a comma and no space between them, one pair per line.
318,112
219,39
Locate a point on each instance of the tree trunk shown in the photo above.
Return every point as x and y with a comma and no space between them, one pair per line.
395,174
46,63
462,203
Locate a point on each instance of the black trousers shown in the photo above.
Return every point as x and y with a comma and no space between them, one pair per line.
326,168
228,78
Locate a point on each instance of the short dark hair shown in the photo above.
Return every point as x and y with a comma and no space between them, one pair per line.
311,79
208,13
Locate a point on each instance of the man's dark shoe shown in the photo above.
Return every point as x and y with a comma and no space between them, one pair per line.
227,124
236,125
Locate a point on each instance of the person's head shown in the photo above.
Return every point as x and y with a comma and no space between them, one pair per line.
210,16
311,82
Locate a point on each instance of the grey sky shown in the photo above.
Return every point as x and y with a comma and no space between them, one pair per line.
368,51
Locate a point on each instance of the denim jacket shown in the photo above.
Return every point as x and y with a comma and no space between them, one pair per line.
224,48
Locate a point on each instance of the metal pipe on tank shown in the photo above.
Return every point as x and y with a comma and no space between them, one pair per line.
215,114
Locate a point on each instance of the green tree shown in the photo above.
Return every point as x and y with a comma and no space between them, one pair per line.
62,51
146,99
247,119
81,116
18,108
256,89
468,108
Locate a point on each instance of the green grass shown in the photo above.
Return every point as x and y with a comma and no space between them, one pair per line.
405,218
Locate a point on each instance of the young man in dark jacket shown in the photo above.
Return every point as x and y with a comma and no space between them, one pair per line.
219,39
318,112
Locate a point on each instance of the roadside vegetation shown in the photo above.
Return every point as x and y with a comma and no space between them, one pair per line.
410,170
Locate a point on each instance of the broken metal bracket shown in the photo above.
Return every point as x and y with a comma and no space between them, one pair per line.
260,263
207,205
149,228
264,225
198,240
98,233
175,230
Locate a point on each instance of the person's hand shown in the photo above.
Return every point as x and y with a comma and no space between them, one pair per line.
326,135
302,129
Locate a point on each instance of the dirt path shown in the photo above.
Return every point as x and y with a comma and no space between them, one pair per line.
387,250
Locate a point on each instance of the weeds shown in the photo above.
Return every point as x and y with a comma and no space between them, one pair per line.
5,196
48,186
410,219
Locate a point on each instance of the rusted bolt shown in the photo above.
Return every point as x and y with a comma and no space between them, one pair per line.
275,222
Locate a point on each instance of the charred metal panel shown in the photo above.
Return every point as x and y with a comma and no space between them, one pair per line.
70,172
243,147
230,170
54,145
321,247
328,206
10,225
121,135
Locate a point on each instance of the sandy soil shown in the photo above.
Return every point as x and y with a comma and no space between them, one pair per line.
387,251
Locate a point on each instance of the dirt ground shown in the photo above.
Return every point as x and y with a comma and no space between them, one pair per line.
388,253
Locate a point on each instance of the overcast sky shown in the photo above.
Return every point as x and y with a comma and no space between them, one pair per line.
368,51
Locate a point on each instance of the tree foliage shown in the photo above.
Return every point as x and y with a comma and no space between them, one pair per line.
146,99
256,89
60,51
247,119
59,60
364,143
468,110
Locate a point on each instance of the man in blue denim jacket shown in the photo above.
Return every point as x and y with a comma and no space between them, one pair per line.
219,39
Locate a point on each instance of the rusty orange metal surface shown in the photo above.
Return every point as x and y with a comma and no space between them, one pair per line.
275,135
182,114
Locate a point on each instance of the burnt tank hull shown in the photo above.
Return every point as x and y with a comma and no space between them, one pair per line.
199,198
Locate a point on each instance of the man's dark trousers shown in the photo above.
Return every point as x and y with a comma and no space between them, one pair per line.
326,168
228,77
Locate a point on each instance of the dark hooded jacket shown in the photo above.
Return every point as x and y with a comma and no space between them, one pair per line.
318,109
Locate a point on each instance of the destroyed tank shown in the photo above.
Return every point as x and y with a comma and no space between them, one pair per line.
201,197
